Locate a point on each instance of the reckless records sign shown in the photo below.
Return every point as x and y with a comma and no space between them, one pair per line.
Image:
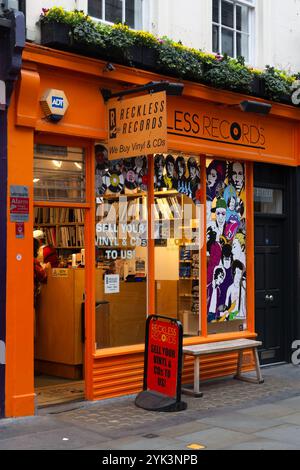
137,126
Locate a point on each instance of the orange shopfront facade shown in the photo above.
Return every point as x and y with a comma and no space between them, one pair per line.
87,322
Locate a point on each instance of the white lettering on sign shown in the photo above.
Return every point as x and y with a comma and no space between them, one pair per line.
57,102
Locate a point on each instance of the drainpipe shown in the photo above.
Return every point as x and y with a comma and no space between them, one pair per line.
12,41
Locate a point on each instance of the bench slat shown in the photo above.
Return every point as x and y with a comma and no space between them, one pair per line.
219,347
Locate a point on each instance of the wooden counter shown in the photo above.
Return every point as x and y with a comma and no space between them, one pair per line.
58,347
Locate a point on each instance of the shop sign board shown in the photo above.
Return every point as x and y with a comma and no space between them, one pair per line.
111,284
227,130
137,126
19,203
163,365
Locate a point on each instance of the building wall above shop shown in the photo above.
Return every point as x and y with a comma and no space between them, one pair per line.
274,29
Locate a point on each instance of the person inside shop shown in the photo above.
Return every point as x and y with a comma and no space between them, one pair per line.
40,275
46,252
39,272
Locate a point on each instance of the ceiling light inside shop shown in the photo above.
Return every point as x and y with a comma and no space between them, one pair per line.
57,163
78,165
36,180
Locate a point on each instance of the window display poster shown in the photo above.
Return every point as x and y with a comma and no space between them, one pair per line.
111,284
226,241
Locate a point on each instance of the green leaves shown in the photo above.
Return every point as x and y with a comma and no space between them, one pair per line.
277,84
173,58
180,62
230,74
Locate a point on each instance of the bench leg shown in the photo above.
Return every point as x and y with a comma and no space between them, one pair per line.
196,392
239,375
257,367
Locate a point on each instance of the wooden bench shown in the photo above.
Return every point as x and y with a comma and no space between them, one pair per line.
239,345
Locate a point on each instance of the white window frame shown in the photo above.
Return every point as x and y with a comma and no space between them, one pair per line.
251,27
83,5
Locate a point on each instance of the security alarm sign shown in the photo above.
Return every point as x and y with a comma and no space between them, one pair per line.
19,203
163,357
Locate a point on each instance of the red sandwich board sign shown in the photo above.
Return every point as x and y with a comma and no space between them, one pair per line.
163,365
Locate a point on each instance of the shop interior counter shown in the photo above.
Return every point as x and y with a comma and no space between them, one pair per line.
120,320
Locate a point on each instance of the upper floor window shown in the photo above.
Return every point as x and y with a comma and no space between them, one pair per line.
232,25
117,11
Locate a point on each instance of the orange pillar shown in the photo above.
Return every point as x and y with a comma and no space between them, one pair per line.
19,305
151,251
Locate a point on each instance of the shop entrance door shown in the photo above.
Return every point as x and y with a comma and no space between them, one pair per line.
269,282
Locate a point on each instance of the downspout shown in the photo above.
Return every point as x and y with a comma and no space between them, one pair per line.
12,42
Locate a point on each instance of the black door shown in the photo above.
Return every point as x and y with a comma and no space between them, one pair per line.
269,287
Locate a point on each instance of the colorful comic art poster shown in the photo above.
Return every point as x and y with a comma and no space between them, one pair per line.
226,241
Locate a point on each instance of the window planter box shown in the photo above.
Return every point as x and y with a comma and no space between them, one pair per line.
258,87
59,36
143,57
56,35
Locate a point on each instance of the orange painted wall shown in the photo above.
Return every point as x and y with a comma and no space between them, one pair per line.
113,372
19,338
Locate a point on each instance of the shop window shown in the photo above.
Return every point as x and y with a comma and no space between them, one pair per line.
121,245
226,246
177,218
268,201
232,25
59,173
121,250
117,11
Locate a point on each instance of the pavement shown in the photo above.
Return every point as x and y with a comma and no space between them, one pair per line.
232,415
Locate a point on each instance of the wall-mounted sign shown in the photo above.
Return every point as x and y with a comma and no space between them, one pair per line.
19,203
20,229
111,284
54,104
216,129
137,126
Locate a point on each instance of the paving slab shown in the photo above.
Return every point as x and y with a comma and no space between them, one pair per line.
236,421
61,439
25,426
286,433
138,443
269,410
262,444
293,403
214,438
186,428
291,418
